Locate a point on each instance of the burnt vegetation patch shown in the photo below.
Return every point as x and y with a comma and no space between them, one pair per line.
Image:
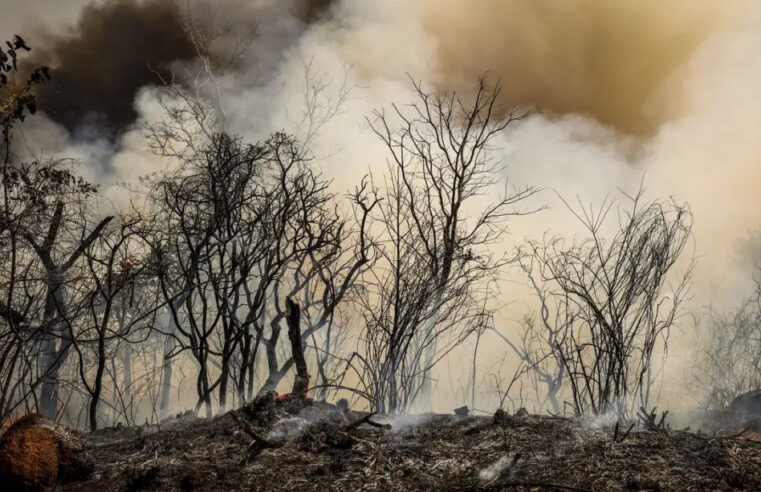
441,452
240,270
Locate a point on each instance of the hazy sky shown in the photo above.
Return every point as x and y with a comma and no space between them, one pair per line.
19,16
620,89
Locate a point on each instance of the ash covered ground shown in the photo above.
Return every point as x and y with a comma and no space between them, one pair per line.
300,444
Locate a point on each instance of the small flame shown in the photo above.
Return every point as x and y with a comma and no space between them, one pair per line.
748,434
283,396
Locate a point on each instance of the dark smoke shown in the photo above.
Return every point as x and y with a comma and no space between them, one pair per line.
313,10
118,47
112,52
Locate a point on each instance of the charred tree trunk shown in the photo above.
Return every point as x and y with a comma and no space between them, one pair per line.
127,376
270,346
126,353
223,380
301,382
55,313
166,377
98,384
52,356
49,392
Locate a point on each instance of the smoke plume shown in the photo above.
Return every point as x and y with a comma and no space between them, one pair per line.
622,89
603,59
113,50
116,48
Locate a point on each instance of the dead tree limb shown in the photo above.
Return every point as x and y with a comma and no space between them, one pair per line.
623,436
363,420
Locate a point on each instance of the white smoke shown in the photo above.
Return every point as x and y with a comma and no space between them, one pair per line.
704,147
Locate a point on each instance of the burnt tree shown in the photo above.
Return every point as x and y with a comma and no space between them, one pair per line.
301,381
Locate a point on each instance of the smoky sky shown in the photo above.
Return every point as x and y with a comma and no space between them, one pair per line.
607,59
312,10
112,51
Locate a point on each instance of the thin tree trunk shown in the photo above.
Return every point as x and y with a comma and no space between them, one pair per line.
127,376
270,346
166,372
473,375
98,385
52,356
301,382
223,384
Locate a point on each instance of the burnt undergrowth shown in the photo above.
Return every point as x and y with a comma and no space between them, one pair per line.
300,444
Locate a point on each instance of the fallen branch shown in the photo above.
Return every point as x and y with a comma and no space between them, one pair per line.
247,428
257,445
364,420
543,485
624,435
735,435
649,419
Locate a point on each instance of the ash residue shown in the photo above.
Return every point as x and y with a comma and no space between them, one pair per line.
437,453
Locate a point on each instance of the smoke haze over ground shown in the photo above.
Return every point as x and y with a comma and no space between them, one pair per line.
619,90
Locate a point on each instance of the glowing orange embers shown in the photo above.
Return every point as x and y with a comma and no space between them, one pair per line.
283,396
10,420
748,434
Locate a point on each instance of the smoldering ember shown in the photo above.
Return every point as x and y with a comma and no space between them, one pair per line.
380,245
